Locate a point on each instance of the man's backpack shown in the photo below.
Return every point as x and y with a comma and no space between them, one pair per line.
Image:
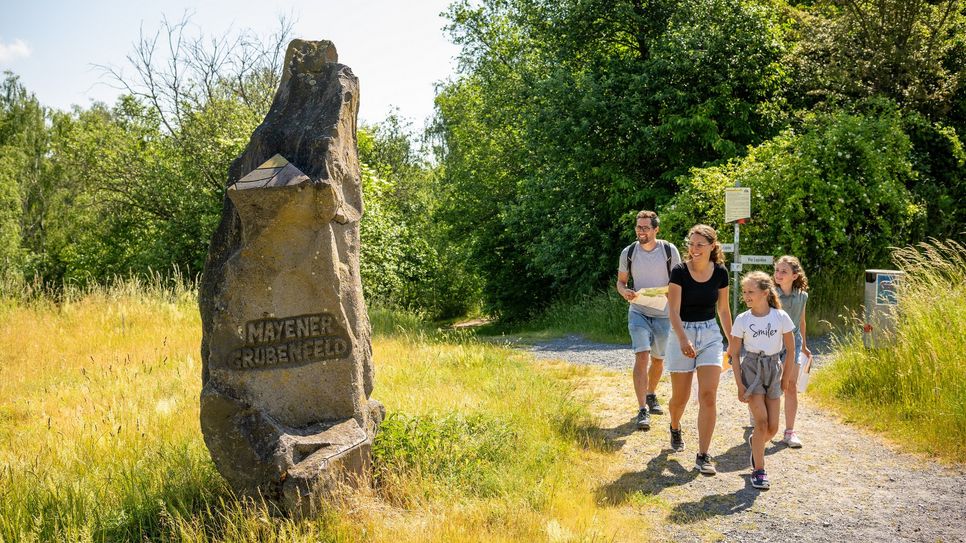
630,258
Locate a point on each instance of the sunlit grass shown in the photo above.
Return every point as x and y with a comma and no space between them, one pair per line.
100,437
829,297
598,317
915,390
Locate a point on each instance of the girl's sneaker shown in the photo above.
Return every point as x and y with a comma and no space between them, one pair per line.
759,479
791,439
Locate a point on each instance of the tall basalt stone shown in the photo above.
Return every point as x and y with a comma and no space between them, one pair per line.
286,353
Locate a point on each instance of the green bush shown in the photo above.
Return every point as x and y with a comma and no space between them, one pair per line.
10,214
833,193
401,264
940,182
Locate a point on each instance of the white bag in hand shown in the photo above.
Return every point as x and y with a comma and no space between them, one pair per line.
804,372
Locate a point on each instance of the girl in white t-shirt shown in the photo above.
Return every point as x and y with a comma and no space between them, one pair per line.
764,331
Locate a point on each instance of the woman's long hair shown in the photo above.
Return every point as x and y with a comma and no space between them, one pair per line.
708,233
800,282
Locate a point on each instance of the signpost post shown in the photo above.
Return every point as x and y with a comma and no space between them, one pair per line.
737,210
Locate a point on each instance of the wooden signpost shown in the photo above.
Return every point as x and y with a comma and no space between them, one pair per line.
738,211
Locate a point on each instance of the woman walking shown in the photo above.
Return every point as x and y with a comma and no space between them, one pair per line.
698,289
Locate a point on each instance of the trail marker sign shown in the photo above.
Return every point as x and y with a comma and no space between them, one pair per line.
757,259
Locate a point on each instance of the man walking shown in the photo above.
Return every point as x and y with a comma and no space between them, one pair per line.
647,262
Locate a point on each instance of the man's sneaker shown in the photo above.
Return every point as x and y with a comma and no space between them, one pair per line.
759,479
643,419
677,442
791,439
653,406
702,462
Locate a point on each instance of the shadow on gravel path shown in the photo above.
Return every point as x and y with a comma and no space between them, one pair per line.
660,473
845,484
715,505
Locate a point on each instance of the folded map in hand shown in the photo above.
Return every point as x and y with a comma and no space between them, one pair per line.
654,297
653,291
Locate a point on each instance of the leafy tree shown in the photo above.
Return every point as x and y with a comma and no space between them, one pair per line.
569,115
833,193
405,261
138,186
23,173
911,51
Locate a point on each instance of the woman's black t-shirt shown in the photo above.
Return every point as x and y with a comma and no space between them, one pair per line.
698,300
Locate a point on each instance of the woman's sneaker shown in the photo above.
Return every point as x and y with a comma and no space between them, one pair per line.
677,442
791,439
702,462
759,479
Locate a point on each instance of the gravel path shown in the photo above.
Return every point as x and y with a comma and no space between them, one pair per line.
846,484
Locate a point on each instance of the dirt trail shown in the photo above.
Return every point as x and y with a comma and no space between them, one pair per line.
845,484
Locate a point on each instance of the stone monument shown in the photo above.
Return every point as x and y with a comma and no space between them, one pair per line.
286,354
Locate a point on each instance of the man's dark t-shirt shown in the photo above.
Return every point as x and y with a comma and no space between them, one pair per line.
699,300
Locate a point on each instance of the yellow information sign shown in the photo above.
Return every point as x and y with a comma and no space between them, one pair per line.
737,203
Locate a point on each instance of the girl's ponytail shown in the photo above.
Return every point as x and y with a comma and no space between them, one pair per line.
773,300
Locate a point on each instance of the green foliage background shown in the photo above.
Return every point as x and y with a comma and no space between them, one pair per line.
568,117
832,192
563,120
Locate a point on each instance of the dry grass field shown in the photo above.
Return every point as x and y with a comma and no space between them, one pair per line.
100,438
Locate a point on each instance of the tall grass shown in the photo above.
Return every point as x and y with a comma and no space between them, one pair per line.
829,297
599,317
171,286
915,390
100,437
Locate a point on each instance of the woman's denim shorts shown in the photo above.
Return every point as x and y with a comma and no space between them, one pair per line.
706,338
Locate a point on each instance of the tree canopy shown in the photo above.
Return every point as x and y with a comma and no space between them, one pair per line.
564,119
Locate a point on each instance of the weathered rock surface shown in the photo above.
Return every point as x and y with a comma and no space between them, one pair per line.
287,367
